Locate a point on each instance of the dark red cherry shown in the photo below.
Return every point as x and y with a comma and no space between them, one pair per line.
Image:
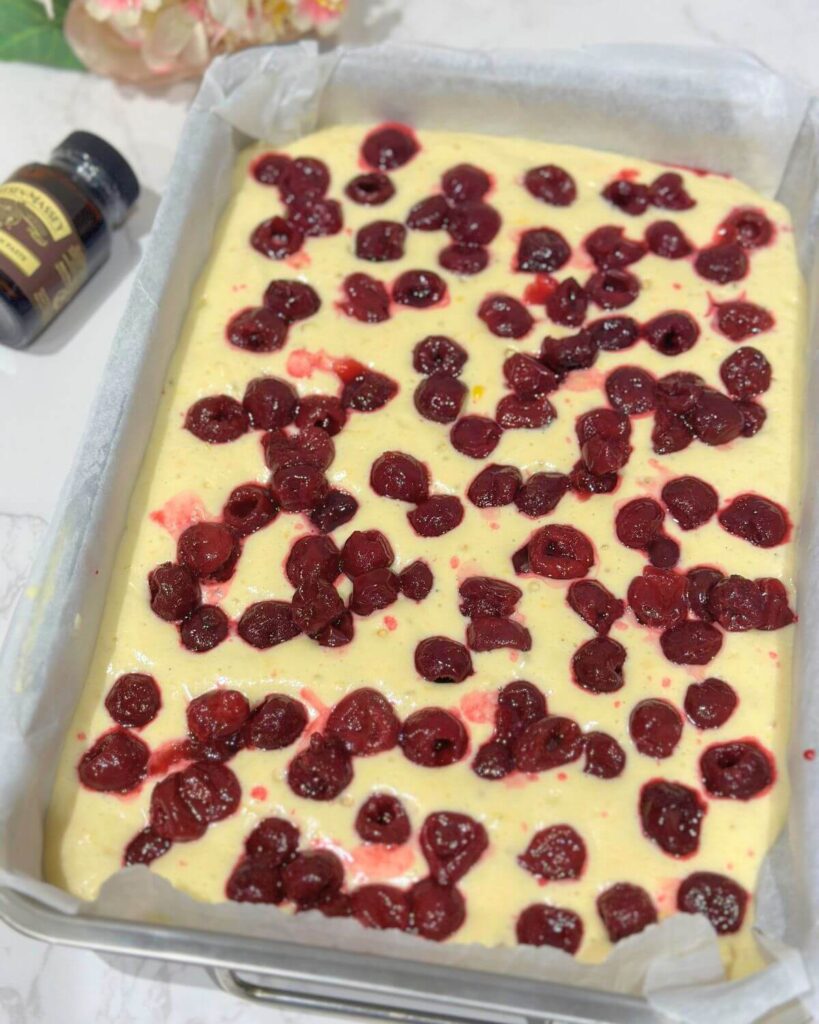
255,880
313,556
629,196
514,413
472,222
655,727
605,758
368,391
758,520
439,397
495,486
671,815
438,910
482,595
749,226
373,591
776,612
465,260
490,633
746,373
549,743
701,581
554,854
437,515
271,168
520,704
560,552
401,477
145,848
551,184
613,333
664,238
339,633
266,624
365,723
659,598
419,288
116,763
544,925
465,182
365,299
311,446
691,643
381,906
433,738
277,238
541,493
306,175
505,316
451,843
583,481
257,329
416,581
740,320
609,248
668,192
276,723
380,241
630,390
315,606
431,214
218,419
528,377
690,501
753,418
439,354
312,878
134,700
216,714
275,839
613,289
663,552
710,704
315,216
740,770
625,909
174,591
596,605
209,550
249,507
475,436
597,665
365,550
441,660
671,333
494,760
382,819
371,189
722,263
722,900
639,522
298,488
389,147
270,402
671,433
575,352
323,411
292,300
542,251
322,770
736,604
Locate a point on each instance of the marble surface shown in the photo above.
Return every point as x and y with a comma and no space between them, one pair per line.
45,392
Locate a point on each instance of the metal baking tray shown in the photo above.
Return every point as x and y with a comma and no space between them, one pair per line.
55,628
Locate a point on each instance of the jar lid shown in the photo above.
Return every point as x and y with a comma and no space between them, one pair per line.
102,153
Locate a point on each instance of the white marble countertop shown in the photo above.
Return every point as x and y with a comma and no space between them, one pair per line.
45,393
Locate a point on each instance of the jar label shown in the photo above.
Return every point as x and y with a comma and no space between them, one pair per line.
40,251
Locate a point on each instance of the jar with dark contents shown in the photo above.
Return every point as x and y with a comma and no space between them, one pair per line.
56,221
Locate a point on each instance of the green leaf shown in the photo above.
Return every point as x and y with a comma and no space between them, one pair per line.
28,34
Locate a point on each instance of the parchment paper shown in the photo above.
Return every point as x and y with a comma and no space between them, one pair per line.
711,108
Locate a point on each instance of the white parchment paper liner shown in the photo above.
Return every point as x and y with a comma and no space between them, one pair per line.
708,108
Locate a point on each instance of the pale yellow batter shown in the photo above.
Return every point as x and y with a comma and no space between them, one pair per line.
87,831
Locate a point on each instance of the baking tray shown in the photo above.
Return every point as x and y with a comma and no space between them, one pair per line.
713,108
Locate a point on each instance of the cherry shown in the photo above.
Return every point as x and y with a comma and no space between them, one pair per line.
655,727
630,390
740,320
613,333
292,300
520,703
270,403
439,354
746,373
722,263
431,214
541,493
575,352
609,248
451,843
313,556
174,591
265,624
551,184
257,329
691,643
313,877
465,182
747,226
603,438
298,488
311,446
554,854
381,906
671,333
216,715
388,147
171,816
209,550
700,582
548,743
560,552
368,391
528,377
475,436
543,925
583,481
438,910
658,598
758,520
710,704
625,910
568,303
679,392
490,633
365,550
595,605
465,260
373,591
671,433
495,486
322,770
401,477
722,900
419,288
364,722
134,700
382,819
365,299
145,848
316,604
217,419
271,168
513,413
663,552
249,508
315,216
629,196
433,738
505,316
306,175
776,612
739,770
665,239
255,880
416,580
186,802
690,501
439,397
482,595
277,238
380,241
493,761
275,839
753,417
605,758
116,763
371,189
736,604
613,289
472,222
542,251
323,411
671,815
597,665
277,722
436,516
441,660
668,192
